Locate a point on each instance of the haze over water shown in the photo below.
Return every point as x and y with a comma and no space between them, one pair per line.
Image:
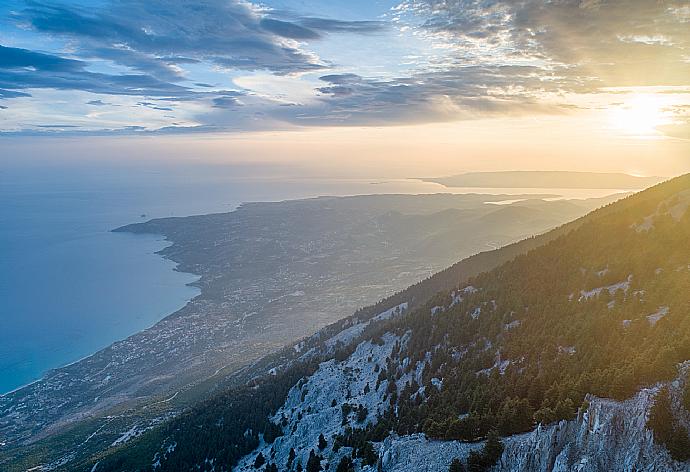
69,286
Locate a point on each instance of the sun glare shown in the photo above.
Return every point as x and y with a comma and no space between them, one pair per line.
640,116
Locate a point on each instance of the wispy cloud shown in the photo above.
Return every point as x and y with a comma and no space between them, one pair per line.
477,58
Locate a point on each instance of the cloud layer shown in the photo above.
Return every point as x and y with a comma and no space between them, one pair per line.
471,58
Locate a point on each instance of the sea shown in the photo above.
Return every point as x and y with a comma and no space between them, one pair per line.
70,287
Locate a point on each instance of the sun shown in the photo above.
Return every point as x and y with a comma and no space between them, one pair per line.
640,116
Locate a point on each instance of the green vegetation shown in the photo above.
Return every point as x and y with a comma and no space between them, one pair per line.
456,466
345,465
667,430
603,308
565,345
226,427
314,462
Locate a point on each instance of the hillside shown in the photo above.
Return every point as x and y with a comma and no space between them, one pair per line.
574,353
271,273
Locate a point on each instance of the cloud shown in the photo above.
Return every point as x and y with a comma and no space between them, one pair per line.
339,26
593,43
679,130
288,30
471,58
504,57
153,106
226,102
21,69
455,93
11,93
156,35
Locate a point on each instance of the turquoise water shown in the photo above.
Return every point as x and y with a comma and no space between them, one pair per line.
69,286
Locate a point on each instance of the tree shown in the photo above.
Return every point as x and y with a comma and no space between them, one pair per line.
475,462
493,449
667,430
490,454
291,457
314,462
259,461
362,413
456,466
345,465
271,468
367,454
322,442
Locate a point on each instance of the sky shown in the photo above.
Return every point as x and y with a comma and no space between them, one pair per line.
377,87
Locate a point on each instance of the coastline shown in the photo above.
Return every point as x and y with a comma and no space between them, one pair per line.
261,258
168,246
165,243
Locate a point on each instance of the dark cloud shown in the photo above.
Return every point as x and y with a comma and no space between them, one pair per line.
340,26
154,106
98,103
21,69
288,30
225,102
11,93
23,59
340,79
436,95
153,36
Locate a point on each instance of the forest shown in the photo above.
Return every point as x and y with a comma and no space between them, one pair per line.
601,309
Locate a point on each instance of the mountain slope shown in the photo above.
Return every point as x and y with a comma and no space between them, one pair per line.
601,310
271,273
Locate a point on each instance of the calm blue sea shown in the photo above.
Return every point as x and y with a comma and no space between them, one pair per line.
69,286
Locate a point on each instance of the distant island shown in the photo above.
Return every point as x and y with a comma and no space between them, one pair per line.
546,179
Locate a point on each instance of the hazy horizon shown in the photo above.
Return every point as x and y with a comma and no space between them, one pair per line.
389,88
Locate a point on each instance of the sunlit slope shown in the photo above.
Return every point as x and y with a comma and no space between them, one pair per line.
601,308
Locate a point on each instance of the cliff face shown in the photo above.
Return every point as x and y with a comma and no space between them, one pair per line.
606,436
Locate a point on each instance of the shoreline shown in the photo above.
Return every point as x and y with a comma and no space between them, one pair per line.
131,228
166,243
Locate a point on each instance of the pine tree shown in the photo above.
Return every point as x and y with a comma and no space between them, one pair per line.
660,417
456,466
259,461
345,465
314,462
291,457
367,454
493,448
475,462
322,442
